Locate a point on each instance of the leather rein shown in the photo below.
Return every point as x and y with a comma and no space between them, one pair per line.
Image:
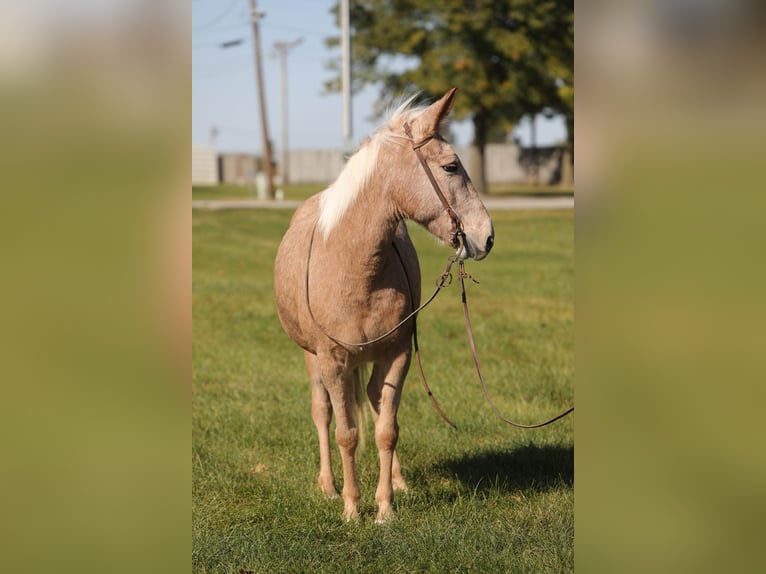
458,241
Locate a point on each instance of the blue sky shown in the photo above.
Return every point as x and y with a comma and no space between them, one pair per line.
223,81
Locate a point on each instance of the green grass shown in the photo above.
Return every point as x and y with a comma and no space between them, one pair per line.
484,498
511,189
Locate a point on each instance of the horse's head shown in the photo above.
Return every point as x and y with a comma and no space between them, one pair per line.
460,198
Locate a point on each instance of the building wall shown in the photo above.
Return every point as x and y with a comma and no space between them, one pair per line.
509,163
204,166
506,163
238,168
315,165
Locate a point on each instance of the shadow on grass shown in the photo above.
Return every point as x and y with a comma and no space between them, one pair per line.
528,467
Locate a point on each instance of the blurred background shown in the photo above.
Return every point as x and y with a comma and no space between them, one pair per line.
669,225
95,112
291,81
95,332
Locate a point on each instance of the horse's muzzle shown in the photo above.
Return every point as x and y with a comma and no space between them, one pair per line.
490,243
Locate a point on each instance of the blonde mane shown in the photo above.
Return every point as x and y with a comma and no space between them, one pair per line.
340,195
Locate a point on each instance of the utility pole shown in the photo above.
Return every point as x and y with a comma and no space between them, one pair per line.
255,18
535,174
345,78
213,135
282,48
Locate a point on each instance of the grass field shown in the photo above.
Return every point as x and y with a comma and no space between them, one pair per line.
483,498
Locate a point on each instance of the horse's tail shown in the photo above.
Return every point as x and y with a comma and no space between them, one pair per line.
361,376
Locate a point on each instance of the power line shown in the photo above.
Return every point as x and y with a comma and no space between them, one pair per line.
220,17
242,26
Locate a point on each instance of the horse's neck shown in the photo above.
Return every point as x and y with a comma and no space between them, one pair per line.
368,229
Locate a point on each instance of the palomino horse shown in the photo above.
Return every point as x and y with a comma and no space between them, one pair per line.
346,270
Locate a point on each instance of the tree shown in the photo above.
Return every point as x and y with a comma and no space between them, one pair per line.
509,58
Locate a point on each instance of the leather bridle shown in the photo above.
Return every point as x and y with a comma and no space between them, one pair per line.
416,145
458,241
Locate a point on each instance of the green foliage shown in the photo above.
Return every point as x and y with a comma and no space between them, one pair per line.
484,498
510,58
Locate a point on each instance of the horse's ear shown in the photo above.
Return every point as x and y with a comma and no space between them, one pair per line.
430,119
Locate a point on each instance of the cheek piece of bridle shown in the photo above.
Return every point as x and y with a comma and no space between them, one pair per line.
458,236
458,241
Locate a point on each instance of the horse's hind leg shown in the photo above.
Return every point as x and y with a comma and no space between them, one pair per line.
374,390
321,412
387,430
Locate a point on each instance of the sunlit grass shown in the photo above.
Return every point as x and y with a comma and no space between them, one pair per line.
483,498
543,190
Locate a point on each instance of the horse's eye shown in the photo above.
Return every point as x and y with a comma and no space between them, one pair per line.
450,167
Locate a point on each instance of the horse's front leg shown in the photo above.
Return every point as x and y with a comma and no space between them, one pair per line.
339,383
374,389
387,432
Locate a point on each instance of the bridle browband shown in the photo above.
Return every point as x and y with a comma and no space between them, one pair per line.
458,241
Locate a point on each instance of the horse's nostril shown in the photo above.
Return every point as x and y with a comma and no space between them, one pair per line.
490,243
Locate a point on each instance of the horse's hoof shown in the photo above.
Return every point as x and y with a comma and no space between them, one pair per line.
384,517
330,494
328,489
351,515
